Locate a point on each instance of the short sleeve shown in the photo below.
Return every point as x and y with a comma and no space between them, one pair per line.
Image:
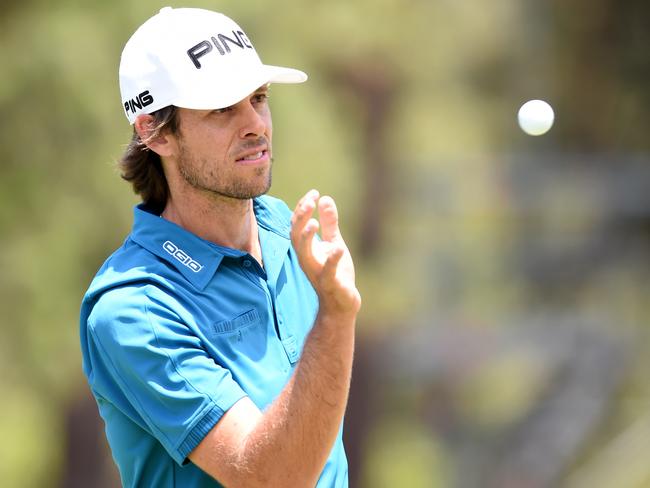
146,360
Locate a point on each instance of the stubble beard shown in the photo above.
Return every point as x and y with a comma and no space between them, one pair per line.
202,176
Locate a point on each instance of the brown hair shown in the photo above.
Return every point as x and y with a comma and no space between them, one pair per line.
142,167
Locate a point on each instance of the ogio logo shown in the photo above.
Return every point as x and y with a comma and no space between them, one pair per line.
182,256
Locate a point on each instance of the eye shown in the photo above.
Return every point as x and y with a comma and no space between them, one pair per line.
221,110
260,97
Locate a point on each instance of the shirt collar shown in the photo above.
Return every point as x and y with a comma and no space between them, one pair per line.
271,218
274,237
195,258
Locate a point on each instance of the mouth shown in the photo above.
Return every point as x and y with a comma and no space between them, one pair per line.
252,158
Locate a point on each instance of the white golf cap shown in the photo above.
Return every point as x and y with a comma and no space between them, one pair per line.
192,58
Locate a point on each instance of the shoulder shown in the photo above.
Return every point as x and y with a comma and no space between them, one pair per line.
133,315
126,305
130,284
127,270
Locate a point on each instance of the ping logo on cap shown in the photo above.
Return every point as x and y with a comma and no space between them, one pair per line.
141,100
221,42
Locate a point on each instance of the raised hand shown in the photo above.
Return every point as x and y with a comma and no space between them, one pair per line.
327,261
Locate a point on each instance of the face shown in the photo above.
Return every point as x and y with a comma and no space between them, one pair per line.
226,152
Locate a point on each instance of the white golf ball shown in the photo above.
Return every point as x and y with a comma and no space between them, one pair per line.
535,117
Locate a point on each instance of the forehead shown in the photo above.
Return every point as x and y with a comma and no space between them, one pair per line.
188,114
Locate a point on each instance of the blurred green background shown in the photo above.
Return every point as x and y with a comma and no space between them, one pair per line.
504,331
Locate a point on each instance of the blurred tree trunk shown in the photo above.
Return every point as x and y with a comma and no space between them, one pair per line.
372,84
86,461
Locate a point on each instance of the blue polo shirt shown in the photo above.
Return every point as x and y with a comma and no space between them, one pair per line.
175,330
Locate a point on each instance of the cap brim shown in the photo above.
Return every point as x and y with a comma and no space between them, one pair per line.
279,74
212,96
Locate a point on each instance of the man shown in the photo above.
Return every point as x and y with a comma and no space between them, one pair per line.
218,339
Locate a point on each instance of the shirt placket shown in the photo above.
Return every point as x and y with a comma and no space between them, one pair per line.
275,250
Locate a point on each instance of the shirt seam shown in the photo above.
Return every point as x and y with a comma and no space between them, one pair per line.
284,232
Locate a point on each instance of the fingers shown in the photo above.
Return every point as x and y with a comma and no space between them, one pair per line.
303,226
303,245
329,218
317,257
331,264
302,213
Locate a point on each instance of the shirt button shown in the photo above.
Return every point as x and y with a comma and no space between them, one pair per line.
247,263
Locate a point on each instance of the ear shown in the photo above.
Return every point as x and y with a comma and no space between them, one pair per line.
145,127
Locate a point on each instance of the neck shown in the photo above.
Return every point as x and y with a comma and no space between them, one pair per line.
225,221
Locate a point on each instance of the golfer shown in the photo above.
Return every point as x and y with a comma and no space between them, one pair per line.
218,339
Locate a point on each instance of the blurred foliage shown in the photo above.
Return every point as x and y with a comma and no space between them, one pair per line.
483,226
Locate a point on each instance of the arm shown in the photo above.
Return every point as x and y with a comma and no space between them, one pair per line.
289,443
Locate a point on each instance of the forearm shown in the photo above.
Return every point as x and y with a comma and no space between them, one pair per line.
290,443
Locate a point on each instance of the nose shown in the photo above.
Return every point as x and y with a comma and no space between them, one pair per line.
253,122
